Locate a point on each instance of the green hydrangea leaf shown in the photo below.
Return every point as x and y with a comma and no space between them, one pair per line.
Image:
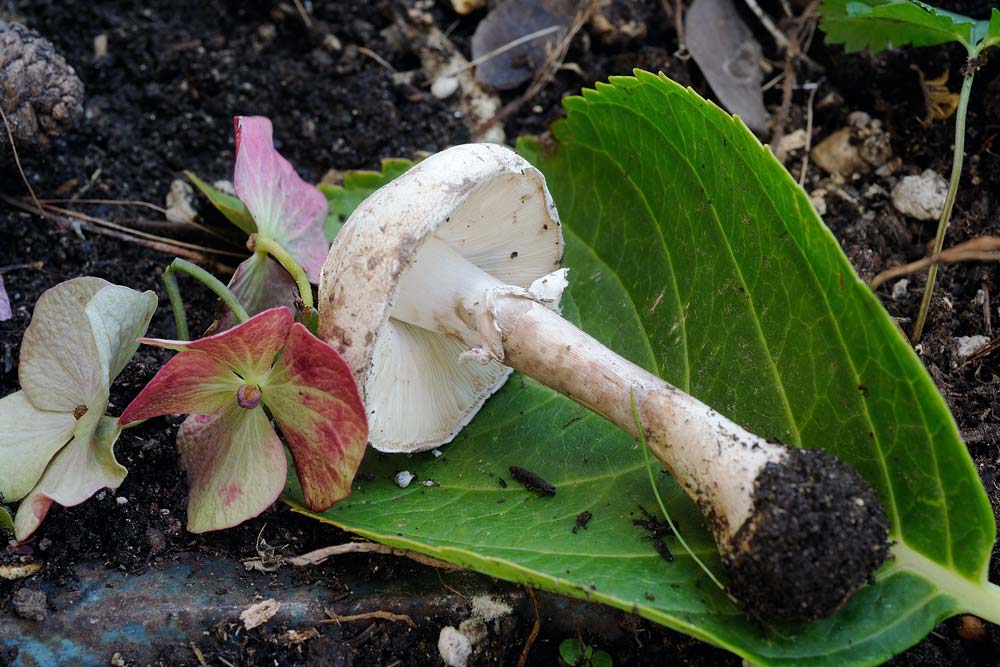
694,254
357,186
881,24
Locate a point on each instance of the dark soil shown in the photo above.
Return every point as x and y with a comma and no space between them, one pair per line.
818,533
161,100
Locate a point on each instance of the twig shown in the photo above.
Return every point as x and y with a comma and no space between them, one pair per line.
319,555
503,49
682,49
165,246
779,37
535,629
112,202
17,161
546,73
377,58
987,317
24,265
809,131
303,13
199,656
383,615
984,351
979,249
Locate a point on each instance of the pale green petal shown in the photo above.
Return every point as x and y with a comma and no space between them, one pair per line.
82,468
29,438
60,366
118,317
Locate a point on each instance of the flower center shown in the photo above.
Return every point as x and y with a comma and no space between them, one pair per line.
79,411
248,396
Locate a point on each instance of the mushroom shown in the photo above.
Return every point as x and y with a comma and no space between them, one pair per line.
446,279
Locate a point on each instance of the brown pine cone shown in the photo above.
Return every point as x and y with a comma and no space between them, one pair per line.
40,93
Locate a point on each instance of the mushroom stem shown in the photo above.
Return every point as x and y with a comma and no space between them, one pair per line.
782,518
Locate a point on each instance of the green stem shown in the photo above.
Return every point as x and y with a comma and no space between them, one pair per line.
949,202
206,279
278,252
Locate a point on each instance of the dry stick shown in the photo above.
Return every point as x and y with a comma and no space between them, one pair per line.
165,246
682,49
383,615
546,72
809,132
17,161
377,58
500,50
779,37
319,555
979,249
145,235
984,351
987,317
535,629
303,13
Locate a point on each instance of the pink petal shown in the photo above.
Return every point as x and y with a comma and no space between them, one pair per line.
259,283
312,396
5,312
235,465
248,348
285,208
192,382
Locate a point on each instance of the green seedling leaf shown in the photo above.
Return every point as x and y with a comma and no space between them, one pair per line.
357,186
693,253
601,659
6,522
231,207
992,36
234,460
881,24
571,651
56,445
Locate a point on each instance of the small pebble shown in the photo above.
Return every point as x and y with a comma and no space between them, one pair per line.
899,289
971,628
444,87
921,197
121,500
435,453
403,478
969,345
430,482
30,604
454,647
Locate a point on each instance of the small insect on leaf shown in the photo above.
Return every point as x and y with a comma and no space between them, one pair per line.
532,482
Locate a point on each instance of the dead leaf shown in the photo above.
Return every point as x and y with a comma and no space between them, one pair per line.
260,613
506,57
939,102
729,57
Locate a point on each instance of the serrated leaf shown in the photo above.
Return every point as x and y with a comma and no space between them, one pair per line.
228,205
880,24
357,186
694,254
992,36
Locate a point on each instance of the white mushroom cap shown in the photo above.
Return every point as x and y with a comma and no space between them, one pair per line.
482,201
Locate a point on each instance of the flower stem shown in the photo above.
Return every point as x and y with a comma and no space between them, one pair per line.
206,279
277,251
949,202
